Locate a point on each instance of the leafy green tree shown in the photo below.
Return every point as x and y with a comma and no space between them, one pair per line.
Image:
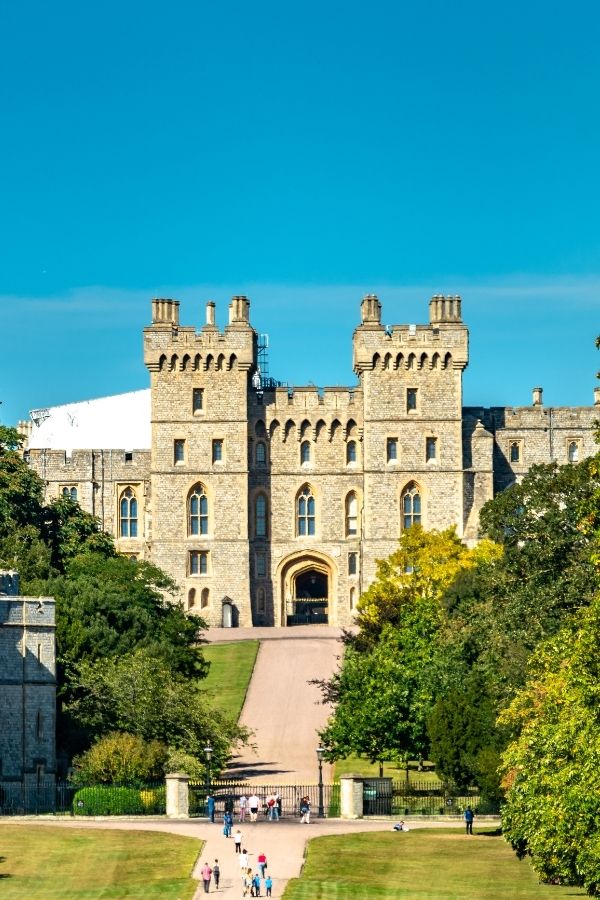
69,531
140,694
120,758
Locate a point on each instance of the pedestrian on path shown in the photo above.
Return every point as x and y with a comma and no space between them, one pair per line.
256,885
469,816
206,873
261,861
253,803
305,810
273,810
268,885
244,860
242,804
246,882
216,873
237,839
279,804
210,807
227,824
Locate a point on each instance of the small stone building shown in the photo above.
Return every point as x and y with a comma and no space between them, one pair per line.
27,691
270,504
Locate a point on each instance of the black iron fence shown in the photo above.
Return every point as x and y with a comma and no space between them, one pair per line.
228,793
48,796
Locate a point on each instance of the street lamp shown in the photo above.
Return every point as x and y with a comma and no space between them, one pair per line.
208,752
320,755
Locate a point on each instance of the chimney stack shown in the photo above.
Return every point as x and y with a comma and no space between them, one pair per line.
370,310
165,312
210,314
537,396
445,310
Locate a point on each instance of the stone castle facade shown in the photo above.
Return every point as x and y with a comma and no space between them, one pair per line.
27,690
270,505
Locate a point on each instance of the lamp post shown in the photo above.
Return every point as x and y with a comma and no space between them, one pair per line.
208,752
320,755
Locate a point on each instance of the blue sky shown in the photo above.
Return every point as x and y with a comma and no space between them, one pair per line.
303,154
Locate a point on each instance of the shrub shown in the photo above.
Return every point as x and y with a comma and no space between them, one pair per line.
120,758
105,800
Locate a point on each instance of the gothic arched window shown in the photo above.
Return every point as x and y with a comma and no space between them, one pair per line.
411,506
305,452
260,516
128,514
351,452
305,515
573,451
351,514
198,510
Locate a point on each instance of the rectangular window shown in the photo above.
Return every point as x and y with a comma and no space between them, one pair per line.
261,565
197,400
217,450
352,563
514,451
128,456
198,562
411,399
431,449
392,449
178,451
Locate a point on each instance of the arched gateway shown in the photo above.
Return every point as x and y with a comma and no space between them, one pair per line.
307,588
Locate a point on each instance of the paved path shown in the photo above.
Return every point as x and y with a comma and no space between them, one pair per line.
283,842
282,709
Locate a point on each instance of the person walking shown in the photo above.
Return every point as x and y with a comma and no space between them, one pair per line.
305,811
256,885
273,809
227,824
206,873
210,807
469,816
237,840
279,804
243,860
261,861
253,803
242,804
268,886
216,873
246,882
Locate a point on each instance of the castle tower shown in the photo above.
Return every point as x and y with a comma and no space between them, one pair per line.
411,377
199,469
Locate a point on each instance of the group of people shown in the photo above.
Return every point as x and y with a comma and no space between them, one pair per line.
251,805
252,883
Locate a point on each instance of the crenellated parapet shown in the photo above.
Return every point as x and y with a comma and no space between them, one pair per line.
170,347
441,345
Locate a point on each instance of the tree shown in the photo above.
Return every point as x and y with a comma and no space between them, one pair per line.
140,694
120,758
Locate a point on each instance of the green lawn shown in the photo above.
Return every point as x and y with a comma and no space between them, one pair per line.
360,766
230,671
424,864
43,862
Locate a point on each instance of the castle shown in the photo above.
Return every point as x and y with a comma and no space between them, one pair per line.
270,505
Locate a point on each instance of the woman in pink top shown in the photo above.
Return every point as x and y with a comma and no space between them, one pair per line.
206,872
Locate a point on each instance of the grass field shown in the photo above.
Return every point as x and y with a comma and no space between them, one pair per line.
39,863
230,671
424,864
360,766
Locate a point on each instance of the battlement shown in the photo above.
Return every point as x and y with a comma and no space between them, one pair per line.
283,401
170,347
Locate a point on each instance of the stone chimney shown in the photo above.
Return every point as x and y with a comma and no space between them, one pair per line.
537,396
444,310
370,310
165,312
9,583
239,310
210,314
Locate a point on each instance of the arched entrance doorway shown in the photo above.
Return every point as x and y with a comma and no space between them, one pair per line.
306,589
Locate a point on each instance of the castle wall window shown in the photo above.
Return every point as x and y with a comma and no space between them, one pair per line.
514,451
260,600
411,399
128,456
260,454
128,514
351,452
392,449
260,516
351,514
352,598
198,511
306,512
39,725
204,598
305,452
352,563
198,562
573,451
411,506
178,451
431,449
217,450
70,492
261,564
197,400
191,598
